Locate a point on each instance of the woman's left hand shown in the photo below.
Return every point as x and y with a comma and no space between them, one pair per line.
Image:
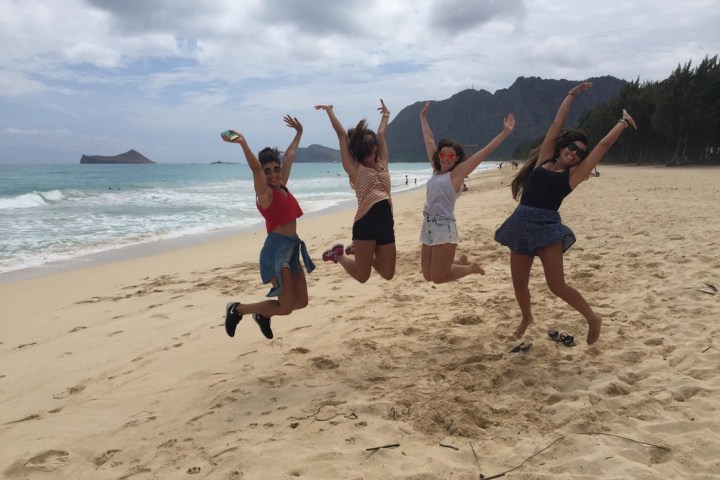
626,116
509,122
383,109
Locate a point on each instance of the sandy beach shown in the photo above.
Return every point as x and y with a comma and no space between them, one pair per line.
124,370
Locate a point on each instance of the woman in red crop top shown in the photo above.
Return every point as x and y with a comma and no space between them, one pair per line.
364,157
561,163
283,249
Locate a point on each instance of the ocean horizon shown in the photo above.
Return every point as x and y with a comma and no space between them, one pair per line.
54,215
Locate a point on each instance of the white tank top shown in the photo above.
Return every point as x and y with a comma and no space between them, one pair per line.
441,196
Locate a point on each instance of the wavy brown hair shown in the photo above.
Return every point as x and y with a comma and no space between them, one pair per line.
567,137
360,146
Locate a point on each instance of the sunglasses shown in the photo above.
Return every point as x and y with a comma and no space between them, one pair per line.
448,155
578,151
268,171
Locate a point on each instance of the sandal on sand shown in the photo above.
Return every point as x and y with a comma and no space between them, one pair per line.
564,338
232,318
522,347
264,324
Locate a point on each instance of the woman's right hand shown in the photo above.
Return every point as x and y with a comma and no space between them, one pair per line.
323,107
238,139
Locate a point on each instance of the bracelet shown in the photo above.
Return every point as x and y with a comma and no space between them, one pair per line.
622,120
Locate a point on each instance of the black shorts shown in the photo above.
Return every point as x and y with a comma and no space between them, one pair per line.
377,224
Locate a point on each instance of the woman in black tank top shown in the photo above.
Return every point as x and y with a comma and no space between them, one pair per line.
561,163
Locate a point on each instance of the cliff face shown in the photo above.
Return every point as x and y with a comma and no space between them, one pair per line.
474,117
131,156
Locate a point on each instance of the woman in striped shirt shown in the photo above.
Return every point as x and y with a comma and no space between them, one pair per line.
364,157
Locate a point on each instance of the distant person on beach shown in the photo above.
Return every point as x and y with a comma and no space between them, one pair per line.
364,156
438,234
281,253
555,169
406,180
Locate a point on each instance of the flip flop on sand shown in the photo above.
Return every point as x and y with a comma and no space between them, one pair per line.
522,347
562,337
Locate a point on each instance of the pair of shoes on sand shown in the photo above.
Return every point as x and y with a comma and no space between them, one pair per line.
233,317
331,254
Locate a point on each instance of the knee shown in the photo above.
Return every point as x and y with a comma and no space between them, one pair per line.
302,303
436,279
388,275
558,288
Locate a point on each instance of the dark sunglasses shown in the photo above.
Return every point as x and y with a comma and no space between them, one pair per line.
268,170
578,151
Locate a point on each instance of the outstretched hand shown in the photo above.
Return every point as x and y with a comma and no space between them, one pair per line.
323,107
234,137
425,109
383,109
626,116
581,87
509,122
293,122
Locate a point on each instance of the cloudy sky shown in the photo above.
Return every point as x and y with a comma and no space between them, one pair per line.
166,76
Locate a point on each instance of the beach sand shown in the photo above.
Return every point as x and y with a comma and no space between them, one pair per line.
124,370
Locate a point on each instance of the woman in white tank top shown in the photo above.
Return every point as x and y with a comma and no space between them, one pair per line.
439,236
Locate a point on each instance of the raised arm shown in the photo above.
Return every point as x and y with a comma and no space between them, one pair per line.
428,138
345,155
262,189
289,156
581,171
547,149
465,168
383,155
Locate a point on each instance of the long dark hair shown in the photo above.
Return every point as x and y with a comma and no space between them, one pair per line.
446,142
361,147
567,137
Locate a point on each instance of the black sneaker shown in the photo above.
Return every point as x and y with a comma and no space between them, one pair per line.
264,324
232,318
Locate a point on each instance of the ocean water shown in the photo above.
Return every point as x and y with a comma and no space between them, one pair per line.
52,213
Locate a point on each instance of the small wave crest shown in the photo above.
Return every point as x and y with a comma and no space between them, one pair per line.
31,200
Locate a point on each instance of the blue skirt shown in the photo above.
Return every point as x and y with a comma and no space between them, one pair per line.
529,228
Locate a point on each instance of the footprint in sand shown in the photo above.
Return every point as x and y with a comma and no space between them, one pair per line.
77,329
105,457
49,460
69,391
323,363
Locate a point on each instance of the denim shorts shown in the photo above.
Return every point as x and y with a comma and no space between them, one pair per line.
282,251
438,230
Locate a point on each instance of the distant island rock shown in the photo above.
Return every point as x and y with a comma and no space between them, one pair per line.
131,157
317,154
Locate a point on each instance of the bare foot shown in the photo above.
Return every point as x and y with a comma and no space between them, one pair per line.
462,260
520,330
475,268
594,329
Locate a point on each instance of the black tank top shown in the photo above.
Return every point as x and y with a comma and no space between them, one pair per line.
545,188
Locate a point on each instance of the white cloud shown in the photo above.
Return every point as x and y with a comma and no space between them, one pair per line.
168,75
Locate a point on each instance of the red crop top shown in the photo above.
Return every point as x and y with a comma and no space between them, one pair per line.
283,209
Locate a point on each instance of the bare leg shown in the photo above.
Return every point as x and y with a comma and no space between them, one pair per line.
520,266
360,267
552,260
442,264
287,301
385,259
461,260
